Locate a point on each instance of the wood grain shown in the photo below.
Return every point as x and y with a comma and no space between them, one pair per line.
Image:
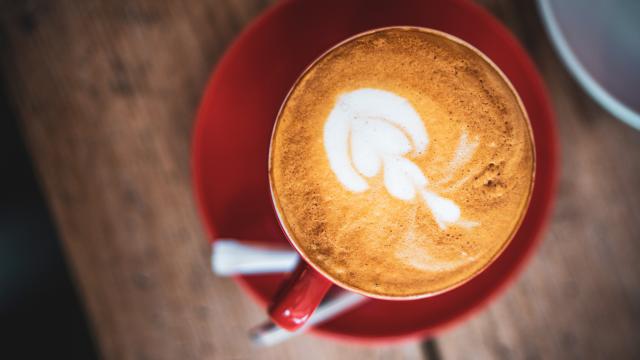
580,296
107,92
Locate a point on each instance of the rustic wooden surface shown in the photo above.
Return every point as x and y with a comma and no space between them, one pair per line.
107,92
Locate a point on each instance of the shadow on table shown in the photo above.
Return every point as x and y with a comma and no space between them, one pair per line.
40,313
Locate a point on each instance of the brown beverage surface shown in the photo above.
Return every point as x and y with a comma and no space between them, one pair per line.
393,232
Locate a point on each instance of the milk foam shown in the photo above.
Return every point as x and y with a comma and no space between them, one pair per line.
369,125
464,152
371,129
417,257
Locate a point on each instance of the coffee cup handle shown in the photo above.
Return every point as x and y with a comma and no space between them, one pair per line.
298,297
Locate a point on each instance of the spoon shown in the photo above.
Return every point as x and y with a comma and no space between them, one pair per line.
232,257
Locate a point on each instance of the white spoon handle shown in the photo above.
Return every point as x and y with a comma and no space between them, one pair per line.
270,334
231,257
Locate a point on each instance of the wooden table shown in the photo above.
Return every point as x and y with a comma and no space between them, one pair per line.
107,91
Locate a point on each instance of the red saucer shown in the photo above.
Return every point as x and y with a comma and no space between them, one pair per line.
231,141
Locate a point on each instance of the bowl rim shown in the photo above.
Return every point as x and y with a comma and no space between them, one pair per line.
579,72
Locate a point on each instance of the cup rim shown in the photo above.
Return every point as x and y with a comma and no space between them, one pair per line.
278,211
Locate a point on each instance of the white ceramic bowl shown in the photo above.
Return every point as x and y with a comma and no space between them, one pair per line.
599,41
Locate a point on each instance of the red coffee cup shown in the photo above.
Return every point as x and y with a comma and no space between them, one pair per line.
303,291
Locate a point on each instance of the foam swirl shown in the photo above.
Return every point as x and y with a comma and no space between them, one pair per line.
372,129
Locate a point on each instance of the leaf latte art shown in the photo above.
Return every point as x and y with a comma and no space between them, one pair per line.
366,131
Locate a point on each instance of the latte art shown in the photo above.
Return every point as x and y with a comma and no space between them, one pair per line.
401,163
370,129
